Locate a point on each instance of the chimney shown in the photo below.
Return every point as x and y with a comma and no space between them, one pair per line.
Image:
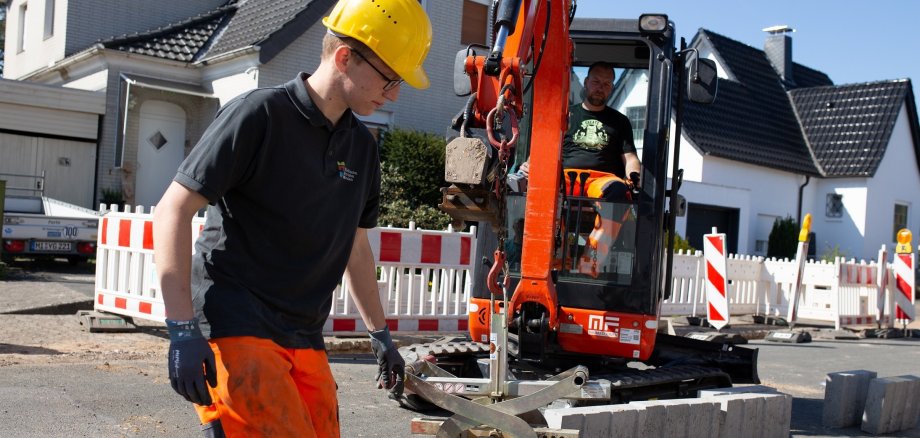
778,48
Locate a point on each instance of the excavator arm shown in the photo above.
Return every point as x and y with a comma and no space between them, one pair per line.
532,39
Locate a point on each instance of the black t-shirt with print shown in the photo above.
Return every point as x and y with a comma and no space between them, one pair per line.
597,140
287,193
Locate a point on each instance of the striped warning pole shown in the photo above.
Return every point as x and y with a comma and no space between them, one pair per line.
881,284
800,255
904,278
716,279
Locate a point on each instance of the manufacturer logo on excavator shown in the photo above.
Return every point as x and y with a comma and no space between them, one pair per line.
601,325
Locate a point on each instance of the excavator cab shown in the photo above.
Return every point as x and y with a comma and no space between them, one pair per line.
606,262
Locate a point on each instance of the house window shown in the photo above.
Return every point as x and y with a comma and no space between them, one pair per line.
834,206
636,116
900,220
49,18
21,42
760,247
475,27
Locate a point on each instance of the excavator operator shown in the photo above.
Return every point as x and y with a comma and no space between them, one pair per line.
598,151
597,154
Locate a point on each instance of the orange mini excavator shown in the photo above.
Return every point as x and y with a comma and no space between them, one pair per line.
572,312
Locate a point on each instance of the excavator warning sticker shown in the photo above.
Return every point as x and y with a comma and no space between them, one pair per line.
599,325
630,336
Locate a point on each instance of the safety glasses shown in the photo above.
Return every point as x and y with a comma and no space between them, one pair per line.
391,83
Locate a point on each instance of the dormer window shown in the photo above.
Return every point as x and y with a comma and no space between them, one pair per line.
21,41
49,18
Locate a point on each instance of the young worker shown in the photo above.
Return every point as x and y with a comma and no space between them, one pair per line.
291,182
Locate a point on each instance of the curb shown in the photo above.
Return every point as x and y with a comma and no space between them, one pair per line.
54,309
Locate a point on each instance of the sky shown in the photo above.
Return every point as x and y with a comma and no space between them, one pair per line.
851,41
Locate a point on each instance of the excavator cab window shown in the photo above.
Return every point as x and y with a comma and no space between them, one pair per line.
601,259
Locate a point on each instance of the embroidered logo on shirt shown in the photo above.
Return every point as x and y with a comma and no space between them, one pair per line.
346,173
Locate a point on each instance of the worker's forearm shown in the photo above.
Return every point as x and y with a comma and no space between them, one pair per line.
632,164
172,236
361,275
173,257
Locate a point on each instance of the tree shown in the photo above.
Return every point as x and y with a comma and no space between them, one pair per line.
784,238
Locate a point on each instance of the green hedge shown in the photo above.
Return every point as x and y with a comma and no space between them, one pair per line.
412,174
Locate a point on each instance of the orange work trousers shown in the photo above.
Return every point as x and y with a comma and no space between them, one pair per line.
595,184
265,390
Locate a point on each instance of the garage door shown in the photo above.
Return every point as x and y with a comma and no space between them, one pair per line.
701,218
69,165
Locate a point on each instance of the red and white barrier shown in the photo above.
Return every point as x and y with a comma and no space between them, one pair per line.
424,282
904,278
126,280
717,311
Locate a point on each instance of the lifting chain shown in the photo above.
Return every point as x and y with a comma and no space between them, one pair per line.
504,145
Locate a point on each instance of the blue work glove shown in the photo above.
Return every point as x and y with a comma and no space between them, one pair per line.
391,366
191,362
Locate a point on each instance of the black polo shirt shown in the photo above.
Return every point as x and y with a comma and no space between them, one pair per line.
287,192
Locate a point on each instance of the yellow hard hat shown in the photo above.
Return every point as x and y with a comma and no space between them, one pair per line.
398,31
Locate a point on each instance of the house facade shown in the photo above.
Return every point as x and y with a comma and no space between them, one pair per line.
165,68
781,141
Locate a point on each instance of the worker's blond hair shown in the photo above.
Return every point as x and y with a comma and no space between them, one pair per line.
331,42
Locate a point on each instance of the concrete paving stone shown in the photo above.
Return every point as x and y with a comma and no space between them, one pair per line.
845,397
777,409
688,418
731,415
656,419
577,418
753,418
754,415
911,404
885,404
596,425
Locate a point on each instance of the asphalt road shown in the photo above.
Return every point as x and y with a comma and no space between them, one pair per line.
56,380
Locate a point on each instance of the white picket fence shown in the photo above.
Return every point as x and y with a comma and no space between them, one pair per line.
425,279
842,293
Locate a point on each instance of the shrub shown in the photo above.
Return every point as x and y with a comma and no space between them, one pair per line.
830,255
680,243
784,239
419,159
396,206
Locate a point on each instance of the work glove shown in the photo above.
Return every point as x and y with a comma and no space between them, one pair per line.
391,366
191,362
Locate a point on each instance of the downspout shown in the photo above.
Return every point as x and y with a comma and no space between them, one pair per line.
798,215
120,131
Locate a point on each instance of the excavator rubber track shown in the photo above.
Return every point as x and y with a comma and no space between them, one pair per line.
627,384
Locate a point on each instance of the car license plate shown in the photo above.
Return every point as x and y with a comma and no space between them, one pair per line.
52,246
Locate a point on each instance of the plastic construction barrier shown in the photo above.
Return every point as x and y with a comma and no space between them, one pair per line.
424,277
716,279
